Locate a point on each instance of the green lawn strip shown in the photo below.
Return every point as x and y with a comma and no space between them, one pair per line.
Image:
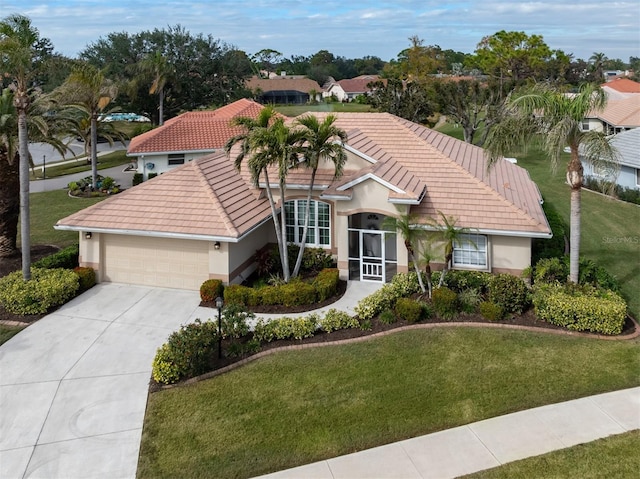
109,160
294,408
295,110
614,456
47,208
7,332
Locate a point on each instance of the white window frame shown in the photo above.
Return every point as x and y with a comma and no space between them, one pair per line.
314,226
471,251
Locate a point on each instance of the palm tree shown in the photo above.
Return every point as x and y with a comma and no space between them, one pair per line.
17,41
598,61
87,88
450,234
9,176
554,118
426,256
322,141
156,67
405,224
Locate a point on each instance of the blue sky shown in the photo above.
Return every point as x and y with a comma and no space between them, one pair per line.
349,28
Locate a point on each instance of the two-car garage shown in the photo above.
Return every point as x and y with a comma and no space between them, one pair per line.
153,261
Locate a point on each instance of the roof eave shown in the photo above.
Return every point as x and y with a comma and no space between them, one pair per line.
151,234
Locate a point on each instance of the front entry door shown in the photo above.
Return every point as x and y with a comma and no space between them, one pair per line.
372,255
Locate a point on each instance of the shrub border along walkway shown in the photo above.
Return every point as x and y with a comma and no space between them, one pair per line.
296,347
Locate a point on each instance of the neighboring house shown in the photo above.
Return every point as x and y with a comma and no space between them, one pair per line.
621,88
284,90
617,116
187,137
206,220
349,89
627,145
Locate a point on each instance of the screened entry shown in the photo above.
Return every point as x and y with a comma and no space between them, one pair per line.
372,251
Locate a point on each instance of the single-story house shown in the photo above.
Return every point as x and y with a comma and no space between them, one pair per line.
618,115
188,136
627,145
205,219
284,90
349,89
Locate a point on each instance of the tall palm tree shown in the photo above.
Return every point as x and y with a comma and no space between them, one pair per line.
87,88
9,176
323,141
554,118
405,224
598,61
450,235
156,67
17,41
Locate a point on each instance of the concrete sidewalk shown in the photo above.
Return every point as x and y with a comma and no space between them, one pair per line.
485,444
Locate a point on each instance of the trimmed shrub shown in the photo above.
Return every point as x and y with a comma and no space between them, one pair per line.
269,295
405,284
580,308
86,278
510,292
326,283
187,352
334,320
551,247
461,280
46,288
550,270
595,275
211,289
65,258
150,176
408,309
402,284
137,179
237,294
235,321
285,328
445,302
387,317
297,293
491,311
469,299
427,310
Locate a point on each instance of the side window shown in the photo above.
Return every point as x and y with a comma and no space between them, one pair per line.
470,251
176,159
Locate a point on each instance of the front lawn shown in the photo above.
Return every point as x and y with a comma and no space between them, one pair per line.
7,332
293,408
614,456
115,158
295,110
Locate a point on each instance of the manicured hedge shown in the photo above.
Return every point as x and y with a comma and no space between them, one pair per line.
86,277
510,292
65,258
445,302
580,308
46,289
211,289
326,283
285,328
334,320
402,285
409,310
491,311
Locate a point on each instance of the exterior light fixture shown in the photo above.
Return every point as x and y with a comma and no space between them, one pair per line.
87,235
216,245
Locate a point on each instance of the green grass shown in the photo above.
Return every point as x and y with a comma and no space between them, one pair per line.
295,110
298,407
7,332
610,229
615,456
110,160
49,207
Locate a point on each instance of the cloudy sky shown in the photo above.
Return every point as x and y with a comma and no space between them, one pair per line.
349,28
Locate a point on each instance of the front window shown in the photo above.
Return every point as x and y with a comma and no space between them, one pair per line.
318,233
470,251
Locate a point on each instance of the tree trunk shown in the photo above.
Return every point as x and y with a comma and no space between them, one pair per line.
276,224
296,269
161,107
286,274
574,178
25,219
412,256
94,151
9,205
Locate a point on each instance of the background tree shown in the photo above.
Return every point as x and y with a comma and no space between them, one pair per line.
412,101
322,141
9,176
598,62
266,60
88,89
155,68
554,118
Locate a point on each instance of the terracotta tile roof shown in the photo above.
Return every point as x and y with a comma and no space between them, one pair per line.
195,131
358,84
455,174
623,85
205,197
620,112
282,83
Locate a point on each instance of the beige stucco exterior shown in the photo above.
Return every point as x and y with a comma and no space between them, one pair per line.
160,161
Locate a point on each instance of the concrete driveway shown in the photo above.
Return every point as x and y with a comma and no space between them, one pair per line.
73,386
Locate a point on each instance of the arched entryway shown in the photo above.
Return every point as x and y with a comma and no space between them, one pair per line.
372,251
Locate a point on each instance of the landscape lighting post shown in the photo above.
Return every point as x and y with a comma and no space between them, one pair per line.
219,304
44,167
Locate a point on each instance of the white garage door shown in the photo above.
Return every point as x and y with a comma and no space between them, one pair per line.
168,263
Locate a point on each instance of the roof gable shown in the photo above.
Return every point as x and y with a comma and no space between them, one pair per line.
624,112
623,85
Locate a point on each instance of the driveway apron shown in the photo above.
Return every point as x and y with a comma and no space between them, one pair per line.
73,386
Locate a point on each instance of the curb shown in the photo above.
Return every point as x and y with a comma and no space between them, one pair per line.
296,347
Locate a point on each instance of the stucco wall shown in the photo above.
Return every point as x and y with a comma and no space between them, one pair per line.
509,254
161,162
240,255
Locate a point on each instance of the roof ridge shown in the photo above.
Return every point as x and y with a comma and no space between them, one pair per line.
465,171
214,197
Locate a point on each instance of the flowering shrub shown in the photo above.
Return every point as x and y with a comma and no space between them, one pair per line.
334,320
186,353
46,288
580,308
